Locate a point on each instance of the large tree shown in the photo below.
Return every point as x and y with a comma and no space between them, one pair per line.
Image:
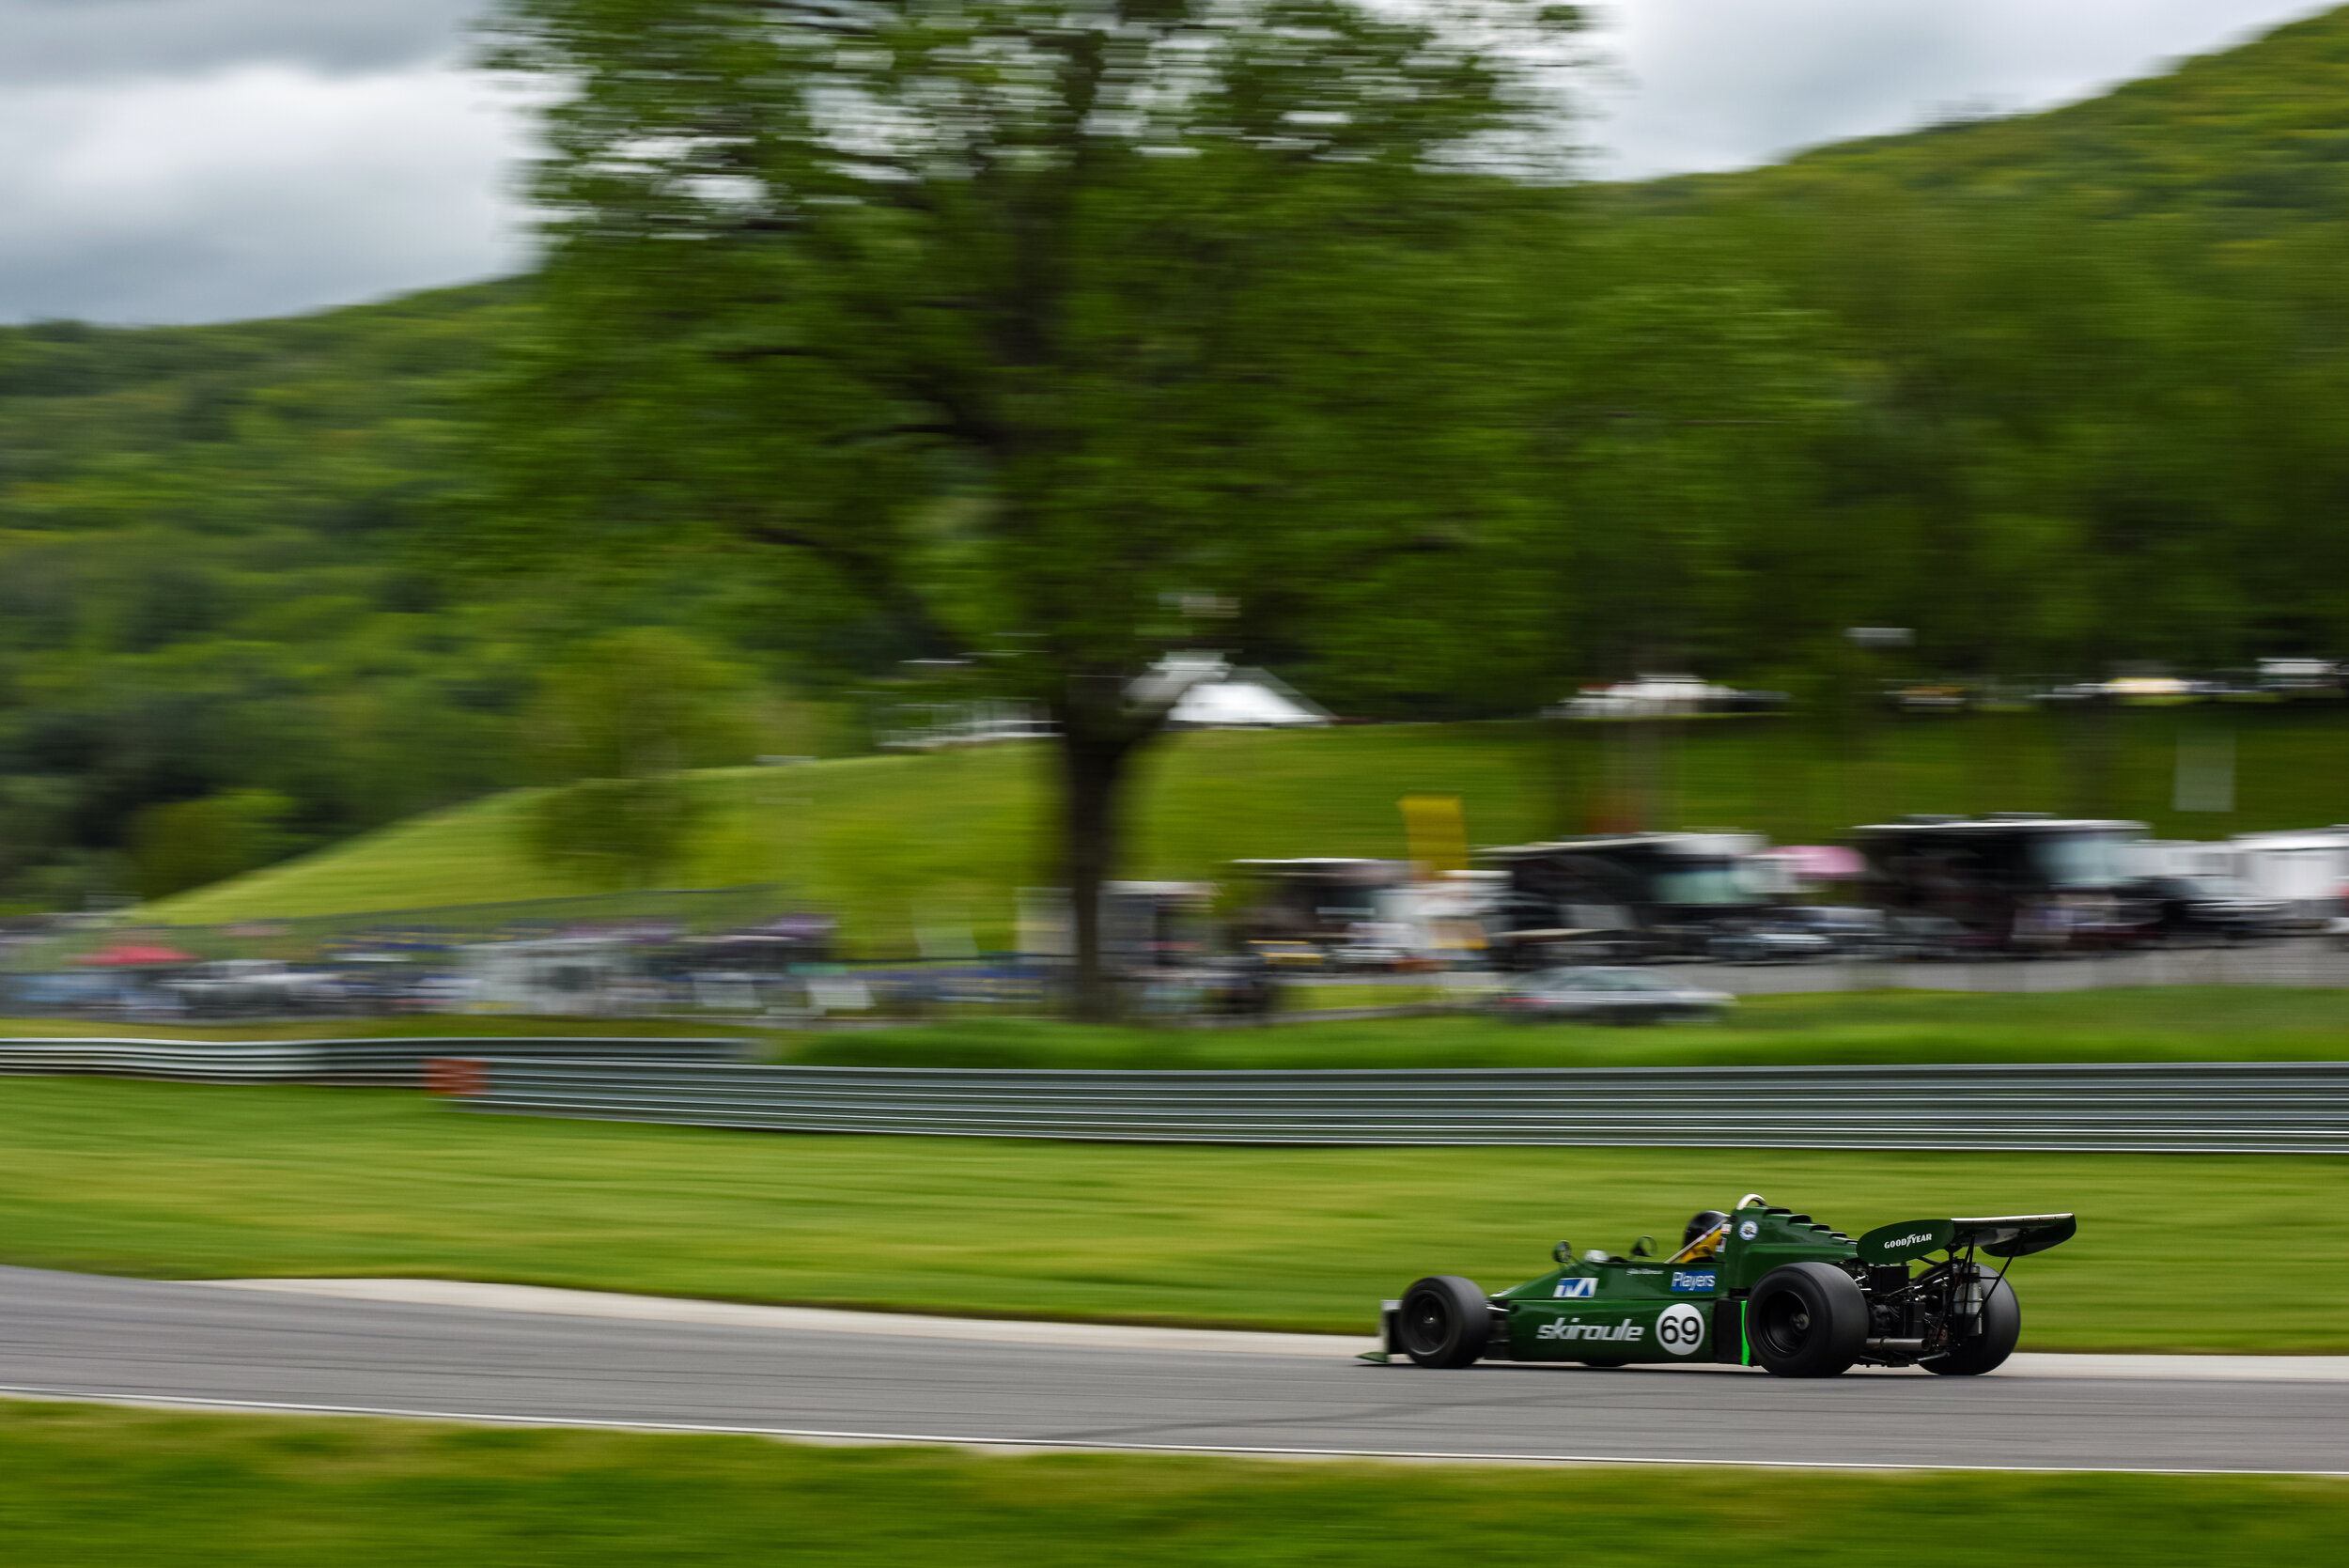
1028,326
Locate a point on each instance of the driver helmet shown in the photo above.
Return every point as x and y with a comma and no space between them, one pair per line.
1704,1221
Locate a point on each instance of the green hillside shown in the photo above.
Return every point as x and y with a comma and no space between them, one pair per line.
2097,360
207,588
2257,134
222,587
941,838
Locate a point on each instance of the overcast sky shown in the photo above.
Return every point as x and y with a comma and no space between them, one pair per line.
206,160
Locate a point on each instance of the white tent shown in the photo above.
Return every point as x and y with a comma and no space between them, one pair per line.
1216,696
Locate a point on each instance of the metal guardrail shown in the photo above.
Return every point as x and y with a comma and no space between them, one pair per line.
2216,1108
397,1061
2205,1107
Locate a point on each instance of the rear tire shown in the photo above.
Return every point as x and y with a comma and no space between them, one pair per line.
1444,1321
1807,1320
2001,1326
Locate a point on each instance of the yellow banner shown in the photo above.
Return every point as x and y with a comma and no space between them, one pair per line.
1436,832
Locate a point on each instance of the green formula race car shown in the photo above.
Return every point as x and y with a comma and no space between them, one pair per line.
1762,1286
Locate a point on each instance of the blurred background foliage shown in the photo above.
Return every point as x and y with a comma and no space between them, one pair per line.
218,584
617,723
2058,391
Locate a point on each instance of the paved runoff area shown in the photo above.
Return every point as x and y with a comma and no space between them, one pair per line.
493,1353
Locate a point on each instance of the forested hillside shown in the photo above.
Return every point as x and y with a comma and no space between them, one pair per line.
2059,390
2256,135
2095,362
227,631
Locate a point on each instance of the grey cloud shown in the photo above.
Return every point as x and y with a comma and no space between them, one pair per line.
257,192
202,160
53,41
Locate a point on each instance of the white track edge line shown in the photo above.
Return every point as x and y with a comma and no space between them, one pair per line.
174,1402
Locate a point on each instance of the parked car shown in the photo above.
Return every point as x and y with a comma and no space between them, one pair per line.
2192,911
1767,942
1609,996
1237,987
1854,930
1930,938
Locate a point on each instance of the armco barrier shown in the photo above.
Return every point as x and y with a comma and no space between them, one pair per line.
2248,1107
390,1063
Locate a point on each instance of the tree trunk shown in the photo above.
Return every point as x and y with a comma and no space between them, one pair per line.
1092,777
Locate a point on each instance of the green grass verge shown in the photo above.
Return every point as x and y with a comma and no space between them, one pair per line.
895,840
188,1181
1360,993
85,1485
2181,1023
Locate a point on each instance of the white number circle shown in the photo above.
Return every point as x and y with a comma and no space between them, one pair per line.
1680,1329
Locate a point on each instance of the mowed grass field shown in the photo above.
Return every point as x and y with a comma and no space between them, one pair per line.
85,1486
945,840
2220,1253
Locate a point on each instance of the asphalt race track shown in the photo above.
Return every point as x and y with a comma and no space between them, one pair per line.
78,1336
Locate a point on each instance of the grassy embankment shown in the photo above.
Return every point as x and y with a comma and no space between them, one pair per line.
180,1181
895,840
88,1485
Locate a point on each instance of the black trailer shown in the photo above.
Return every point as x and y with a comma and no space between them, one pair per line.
1626,898
2014,882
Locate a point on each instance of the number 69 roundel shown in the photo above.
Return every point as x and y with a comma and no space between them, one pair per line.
1680,1329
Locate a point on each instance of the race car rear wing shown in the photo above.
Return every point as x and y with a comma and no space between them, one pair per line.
2011,1235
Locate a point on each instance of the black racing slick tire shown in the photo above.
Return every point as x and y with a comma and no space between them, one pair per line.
1444,1321
1805,1320
2001,1326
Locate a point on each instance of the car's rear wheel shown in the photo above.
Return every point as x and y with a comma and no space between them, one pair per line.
2001,1326
1444,1321
1805,1320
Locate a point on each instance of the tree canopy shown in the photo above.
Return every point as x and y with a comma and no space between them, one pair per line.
1027,323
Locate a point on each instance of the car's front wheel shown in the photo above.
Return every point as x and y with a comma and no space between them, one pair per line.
1444,1321
1807,1320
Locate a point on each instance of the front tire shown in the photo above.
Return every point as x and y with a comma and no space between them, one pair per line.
2001,1326
1807,1320
1444,1321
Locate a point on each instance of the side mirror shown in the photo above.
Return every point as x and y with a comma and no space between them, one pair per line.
1563,1252
1644,1248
